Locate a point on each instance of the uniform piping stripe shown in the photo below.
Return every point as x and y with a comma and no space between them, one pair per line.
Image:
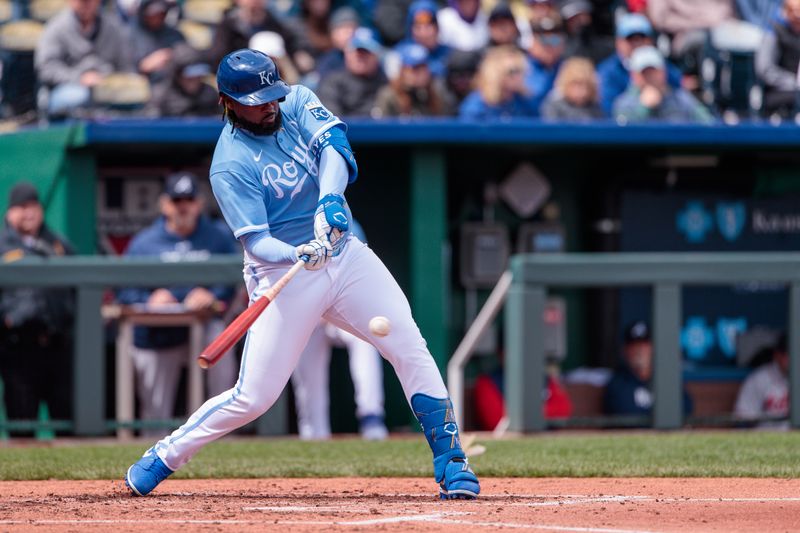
222,404
248,229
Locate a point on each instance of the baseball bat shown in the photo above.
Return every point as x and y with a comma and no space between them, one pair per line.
236,329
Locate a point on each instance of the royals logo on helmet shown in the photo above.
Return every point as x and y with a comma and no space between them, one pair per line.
267,78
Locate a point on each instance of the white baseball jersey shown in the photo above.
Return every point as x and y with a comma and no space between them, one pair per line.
765,392
271,183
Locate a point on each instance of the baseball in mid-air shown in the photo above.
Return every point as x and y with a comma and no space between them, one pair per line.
380,326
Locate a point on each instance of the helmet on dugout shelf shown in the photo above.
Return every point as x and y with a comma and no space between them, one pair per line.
251,78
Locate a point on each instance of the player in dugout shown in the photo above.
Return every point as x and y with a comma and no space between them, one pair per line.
279,174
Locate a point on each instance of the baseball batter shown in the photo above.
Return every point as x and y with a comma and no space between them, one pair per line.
279,174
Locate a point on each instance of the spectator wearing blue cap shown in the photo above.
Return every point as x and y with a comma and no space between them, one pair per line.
414,92
423,29
463,26
650,98
352,90
633,30
501,92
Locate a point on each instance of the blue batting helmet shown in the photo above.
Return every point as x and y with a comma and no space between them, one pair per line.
250,77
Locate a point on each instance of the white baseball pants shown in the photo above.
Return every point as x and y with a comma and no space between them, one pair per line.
354,287
311,380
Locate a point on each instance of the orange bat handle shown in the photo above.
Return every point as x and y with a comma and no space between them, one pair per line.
236,329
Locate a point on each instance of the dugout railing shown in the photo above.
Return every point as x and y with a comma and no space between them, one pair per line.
533,275
91,277
666,274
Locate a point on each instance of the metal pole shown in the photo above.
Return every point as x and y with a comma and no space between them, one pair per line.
457,363
667,364
524,365
793,337
89,369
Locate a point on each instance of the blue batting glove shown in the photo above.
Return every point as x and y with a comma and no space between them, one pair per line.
331,223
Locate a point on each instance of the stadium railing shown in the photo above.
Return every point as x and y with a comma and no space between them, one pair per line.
666,274
91,277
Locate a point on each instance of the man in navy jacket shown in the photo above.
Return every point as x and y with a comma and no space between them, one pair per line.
630,390
182,233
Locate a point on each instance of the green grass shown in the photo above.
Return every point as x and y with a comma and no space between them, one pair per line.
695,454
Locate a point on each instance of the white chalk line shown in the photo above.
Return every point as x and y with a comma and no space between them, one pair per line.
307,509
581,501
437,518
442,518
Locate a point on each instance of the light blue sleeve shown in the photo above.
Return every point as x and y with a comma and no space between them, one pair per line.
267,249
241,200
333,173
321,128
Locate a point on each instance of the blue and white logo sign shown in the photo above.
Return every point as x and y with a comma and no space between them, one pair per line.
697,338
694,221
727,331
730,219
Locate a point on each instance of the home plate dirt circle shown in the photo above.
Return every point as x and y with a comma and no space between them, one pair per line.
403,504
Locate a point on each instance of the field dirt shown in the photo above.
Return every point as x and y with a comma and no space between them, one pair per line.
360,504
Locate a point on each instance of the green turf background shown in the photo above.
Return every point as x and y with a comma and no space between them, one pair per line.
730,453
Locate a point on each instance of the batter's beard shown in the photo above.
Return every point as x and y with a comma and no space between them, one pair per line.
256,128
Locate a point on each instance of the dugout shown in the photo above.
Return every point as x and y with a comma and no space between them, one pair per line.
603,179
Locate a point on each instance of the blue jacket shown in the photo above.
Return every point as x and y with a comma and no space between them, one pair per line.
613,78
156,241
474,108
540,80
759,12
626,394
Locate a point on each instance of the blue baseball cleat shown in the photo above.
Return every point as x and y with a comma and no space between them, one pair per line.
460,482
145,474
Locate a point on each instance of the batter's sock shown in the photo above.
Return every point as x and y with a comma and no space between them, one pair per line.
450,467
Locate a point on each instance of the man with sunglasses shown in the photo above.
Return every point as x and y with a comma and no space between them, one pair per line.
181,233
544,57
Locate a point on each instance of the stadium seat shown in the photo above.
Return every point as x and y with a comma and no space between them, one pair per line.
42,10
123,90
6,11
20,35
728,75
205,11
197,34
18,81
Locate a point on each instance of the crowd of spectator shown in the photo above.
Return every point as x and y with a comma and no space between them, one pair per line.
566,60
